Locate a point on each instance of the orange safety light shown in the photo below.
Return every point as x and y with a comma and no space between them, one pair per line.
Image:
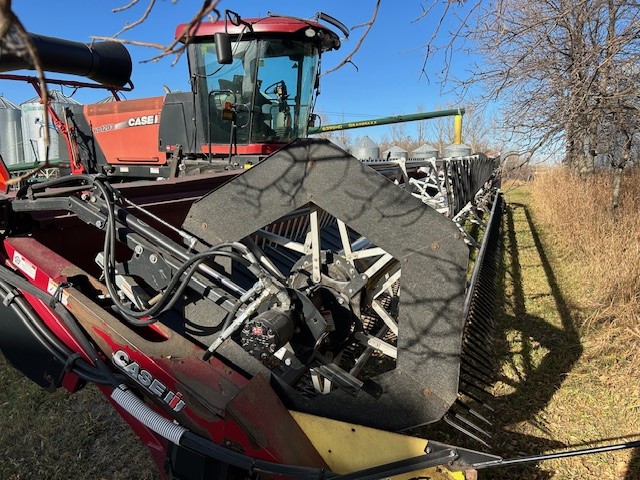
227,112
4,176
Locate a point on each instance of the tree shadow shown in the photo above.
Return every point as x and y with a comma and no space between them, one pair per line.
633,468
532,380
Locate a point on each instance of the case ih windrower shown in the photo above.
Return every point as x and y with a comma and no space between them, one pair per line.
282,321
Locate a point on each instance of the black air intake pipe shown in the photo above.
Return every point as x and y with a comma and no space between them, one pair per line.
108,63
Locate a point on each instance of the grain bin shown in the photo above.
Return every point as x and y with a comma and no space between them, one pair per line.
10,133
457,150
366,149
395,153
423,152
33,129
108,99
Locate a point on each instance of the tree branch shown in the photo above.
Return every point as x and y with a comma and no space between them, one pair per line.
140,20
173,48
11,28
349,57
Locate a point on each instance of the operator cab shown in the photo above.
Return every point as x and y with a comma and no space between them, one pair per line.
261,96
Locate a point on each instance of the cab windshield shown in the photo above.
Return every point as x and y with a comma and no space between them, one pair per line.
269,81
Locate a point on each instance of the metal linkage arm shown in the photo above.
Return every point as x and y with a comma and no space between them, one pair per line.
130,230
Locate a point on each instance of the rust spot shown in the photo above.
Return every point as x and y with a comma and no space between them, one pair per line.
204,225
427,392
435,246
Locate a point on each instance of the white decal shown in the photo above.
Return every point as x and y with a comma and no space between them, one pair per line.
25,265
121,360
144,120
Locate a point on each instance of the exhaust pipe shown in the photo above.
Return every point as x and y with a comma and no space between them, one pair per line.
108,63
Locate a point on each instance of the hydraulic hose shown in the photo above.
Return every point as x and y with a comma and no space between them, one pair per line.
176,286
147,416
179,281
183,437
99,373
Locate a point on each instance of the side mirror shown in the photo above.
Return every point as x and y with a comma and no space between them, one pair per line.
223,48
314,120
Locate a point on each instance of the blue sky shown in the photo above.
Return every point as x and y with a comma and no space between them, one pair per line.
387,82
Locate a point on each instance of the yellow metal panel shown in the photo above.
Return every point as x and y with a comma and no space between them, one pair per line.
347,448
457,129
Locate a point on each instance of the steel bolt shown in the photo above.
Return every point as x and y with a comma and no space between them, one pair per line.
99,223
138,250
153,258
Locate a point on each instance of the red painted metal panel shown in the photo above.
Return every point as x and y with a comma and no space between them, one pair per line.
127,131
259,25
43,268
252,149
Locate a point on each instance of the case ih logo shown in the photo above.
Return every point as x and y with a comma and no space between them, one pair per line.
144,120
131,122
143,377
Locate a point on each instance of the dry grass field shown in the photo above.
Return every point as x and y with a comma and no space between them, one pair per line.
569,337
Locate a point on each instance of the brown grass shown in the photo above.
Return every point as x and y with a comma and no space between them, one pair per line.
567,339
602,245
58,436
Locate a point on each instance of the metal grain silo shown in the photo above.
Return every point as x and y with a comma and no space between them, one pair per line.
457,150
366,149
108,99
394,153
10,132
423,152
33,129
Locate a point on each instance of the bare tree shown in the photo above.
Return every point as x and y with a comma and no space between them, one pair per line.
440,132
559,68
15,40
421,127
175,47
